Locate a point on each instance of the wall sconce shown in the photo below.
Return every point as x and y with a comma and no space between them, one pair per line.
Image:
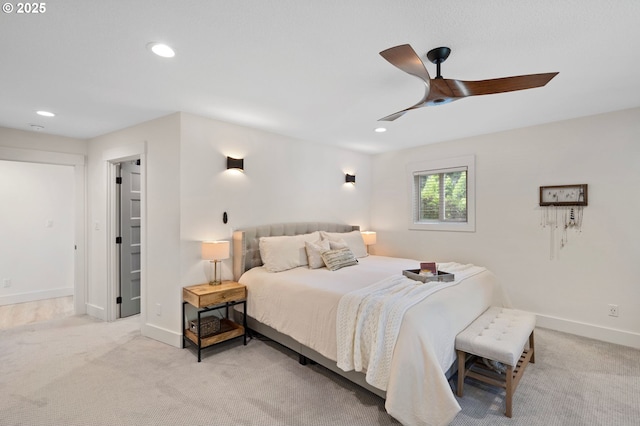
235,163
350,178
369,238
214,252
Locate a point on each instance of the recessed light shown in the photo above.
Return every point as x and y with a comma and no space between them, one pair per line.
161,50
380,130
45,113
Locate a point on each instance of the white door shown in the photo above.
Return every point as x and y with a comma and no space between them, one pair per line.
129,238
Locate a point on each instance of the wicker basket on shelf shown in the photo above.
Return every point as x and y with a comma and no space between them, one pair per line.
208,326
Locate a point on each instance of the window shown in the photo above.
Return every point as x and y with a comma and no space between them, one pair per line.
442,194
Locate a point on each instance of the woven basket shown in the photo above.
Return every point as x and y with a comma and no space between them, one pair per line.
208,326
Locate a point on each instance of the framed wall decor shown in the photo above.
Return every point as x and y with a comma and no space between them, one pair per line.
564,195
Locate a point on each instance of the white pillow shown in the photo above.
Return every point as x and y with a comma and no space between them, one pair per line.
314,252
285,252
334,245
353,239
337,259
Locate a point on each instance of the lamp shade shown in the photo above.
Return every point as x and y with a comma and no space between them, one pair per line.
369,237
215,250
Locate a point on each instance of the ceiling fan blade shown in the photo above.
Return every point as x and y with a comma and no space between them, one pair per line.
394,116
460,89
405,58
399,114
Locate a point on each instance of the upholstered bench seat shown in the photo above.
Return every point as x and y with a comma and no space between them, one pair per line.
499,334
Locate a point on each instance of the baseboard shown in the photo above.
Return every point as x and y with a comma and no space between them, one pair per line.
32,296
610,335
162,335
96,311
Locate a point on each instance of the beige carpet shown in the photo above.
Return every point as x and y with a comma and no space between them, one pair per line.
77,371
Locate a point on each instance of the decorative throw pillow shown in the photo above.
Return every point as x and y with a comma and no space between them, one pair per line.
285,252
314,253
353,239
336,259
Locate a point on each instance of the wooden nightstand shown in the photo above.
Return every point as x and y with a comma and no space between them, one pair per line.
206,298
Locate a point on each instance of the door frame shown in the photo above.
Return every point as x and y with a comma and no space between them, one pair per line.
77,161
112,159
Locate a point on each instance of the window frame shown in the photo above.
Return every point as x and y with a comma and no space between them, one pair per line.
442,166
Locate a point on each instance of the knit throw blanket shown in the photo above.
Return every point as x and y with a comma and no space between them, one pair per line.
369,320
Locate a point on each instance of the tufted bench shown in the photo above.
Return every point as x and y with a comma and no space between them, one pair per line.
499,334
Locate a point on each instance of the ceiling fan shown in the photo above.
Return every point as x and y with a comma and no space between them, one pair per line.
441,90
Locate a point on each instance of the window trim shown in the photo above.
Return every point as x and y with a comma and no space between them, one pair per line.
440,166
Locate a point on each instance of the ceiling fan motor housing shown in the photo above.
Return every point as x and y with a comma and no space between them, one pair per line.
438,56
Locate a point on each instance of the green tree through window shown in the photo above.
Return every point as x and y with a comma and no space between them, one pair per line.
443,197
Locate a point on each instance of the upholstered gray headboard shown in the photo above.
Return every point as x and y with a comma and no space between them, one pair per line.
246,249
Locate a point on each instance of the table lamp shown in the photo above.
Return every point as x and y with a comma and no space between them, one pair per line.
214,252
369,238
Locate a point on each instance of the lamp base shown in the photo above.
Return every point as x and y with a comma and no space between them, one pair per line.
216,280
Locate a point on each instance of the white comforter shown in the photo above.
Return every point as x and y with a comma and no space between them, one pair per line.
303,304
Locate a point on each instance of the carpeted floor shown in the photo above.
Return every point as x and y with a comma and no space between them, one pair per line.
77,371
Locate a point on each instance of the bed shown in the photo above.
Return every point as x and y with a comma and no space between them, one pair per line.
304,308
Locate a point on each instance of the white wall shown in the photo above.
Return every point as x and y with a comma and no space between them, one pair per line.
187,188
157,143
285,180
41,142
598,267
37,231
37,150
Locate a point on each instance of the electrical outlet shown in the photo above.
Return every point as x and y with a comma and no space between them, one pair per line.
6,282
159,309
613,310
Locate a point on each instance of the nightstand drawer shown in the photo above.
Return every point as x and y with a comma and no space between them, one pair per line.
231,295
202,295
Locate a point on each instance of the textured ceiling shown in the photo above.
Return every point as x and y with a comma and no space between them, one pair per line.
311,69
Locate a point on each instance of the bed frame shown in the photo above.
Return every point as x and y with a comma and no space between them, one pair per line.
246,255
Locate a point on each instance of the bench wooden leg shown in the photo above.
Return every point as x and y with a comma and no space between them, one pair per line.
533,352
509,390
461,372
